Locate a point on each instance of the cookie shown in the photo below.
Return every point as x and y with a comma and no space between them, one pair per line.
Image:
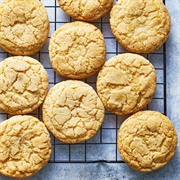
147,140
72,111
23,84
86,10
77,50
140,26
25,146
126,83
24,26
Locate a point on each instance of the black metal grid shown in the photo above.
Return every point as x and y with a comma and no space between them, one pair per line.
103,146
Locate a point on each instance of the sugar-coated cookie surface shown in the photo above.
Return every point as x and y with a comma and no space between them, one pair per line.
86,10
147,140
77,50
23,84
141,26
126,83
24,26
25,146
72,111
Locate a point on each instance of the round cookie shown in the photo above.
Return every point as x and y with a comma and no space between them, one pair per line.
140,26
24,26
126,83
72,111
23,84
77,50
86,10
147,140
25,146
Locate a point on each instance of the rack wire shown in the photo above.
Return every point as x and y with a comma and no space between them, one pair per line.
103,146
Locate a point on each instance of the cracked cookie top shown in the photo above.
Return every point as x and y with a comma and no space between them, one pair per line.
126,83
23,84
24,26
72,111
25,146
86,10
147,140
77,50
141,26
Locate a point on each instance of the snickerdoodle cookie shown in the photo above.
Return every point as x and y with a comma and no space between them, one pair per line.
126,83
24,26
141,26
86,10
77,50
25,146
147,140
72,111
23,84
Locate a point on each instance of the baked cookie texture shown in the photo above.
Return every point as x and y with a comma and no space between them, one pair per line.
77,50
72,111
25,146
24,26
147,140
86,10
23,84
126,83
140,26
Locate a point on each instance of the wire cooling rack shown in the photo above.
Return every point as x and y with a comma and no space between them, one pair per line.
103,146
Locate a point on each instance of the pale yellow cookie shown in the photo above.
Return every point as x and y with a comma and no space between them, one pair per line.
72,111
24,26
147,140
141,26
86,10
23,84
126,83
25,146
77,50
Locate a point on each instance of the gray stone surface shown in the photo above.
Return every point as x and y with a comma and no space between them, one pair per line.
81,171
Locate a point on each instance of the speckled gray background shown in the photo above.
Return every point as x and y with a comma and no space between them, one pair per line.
76,171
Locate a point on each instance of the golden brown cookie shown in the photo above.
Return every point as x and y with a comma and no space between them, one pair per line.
141,26
147,140
25,146
24,26
77,50
126,83
86,10
72,111
23,84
